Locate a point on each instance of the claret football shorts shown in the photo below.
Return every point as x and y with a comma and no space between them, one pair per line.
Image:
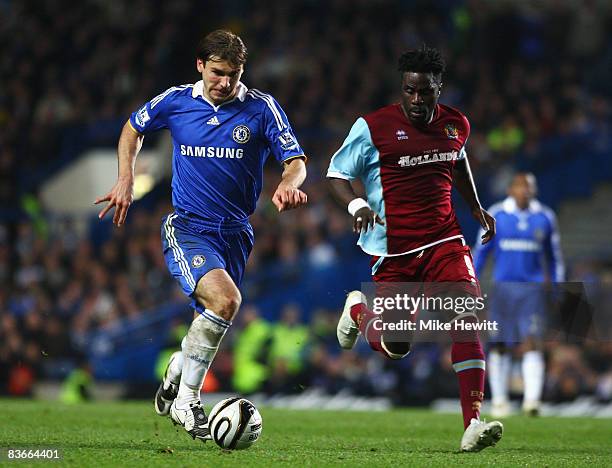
448,262
444,270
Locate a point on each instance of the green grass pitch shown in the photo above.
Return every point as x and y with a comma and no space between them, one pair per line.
131,434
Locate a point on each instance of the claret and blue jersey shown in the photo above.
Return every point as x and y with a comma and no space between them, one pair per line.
219,151
407,172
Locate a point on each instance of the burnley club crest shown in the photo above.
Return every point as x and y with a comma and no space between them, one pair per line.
451,131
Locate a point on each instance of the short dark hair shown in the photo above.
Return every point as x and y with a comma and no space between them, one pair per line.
423,60
223,44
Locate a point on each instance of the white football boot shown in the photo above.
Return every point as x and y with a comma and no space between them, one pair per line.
193,419
480,435
167,391
347,330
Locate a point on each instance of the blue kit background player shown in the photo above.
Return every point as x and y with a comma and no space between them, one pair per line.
527,254
222,135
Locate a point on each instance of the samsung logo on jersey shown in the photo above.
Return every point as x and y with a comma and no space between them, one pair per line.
407,161
519,245
211,152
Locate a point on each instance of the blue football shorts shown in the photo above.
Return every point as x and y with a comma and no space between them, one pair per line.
520,310
193,247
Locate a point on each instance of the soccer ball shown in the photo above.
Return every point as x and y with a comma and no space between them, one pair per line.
234,423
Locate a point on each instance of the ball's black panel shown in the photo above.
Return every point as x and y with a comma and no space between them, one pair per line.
225,405
220,438
246,411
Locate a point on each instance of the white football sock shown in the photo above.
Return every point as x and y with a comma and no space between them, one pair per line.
199,349
175,368
498,368
533,376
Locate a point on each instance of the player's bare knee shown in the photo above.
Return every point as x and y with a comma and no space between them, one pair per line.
227,305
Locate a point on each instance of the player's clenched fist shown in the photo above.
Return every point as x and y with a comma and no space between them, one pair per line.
288,197
365,218
121,197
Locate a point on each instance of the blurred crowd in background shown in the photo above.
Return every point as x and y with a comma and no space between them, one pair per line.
534,82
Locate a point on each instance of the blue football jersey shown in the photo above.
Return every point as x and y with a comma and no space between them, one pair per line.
526,246
219,151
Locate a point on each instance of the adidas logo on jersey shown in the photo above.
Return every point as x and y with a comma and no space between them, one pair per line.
213,121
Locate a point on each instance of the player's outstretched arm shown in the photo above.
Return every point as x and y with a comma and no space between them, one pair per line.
122,194
288,194
465,185
363,216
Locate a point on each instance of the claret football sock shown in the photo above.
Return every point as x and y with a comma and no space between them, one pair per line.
199,349
469,364
365,318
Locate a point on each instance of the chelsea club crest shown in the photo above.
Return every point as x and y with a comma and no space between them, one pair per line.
198,261
241,134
